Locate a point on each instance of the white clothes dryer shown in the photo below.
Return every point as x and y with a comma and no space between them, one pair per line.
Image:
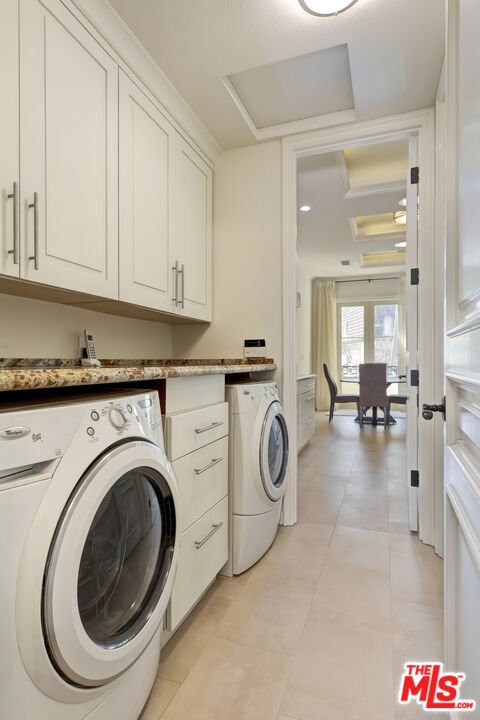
258,460
89,532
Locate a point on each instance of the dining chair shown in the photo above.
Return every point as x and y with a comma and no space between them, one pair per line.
373,391
398,399
334,396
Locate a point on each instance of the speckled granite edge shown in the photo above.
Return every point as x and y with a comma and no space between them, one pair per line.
35,378
109,362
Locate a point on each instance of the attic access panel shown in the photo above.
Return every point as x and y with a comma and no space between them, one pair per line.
298,88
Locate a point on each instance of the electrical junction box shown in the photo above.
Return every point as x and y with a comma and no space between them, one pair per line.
255,348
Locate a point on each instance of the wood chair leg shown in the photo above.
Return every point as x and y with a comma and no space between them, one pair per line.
332,408
360,414
374,416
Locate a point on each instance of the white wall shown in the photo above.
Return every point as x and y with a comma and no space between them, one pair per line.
304,322
376,289
247,282
38,329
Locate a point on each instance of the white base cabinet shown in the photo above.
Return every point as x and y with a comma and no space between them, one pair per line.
197,445
305,410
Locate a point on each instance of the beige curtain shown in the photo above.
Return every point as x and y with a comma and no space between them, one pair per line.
325,338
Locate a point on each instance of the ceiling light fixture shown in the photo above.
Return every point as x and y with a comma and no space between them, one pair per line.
400,218
326,8
401,244
403,202
305,208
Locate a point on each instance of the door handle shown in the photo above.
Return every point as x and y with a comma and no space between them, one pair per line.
34,205
428,410
14,196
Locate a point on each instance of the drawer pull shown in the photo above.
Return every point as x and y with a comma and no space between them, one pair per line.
209,427
215,461
312,397
199,544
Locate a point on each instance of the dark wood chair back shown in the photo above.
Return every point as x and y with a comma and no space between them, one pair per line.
332,385
373,385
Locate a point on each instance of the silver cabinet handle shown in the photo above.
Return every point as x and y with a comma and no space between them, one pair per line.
182,273
200,543
214,462
14,195
175,271
209,427
34,205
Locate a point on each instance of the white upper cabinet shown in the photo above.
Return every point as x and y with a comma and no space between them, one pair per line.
9,132
193,232
145,167
68,153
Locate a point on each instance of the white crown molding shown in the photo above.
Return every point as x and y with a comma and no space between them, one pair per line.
357,238
381,263
342,168
130,54
288,128
376,189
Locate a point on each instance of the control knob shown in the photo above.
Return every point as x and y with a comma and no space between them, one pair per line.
117,418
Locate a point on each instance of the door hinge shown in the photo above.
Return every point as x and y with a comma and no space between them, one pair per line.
414,478
415,175
414,276
414,378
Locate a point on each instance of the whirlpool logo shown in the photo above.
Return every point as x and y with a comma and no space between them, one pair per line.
14,433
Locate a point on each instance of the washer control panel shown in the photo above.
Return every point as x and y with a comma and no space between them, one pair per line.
141,414
117,418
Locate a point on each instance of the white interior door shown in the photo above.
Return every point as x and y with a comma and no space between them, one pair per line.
68,153
9,140
462,348
412,338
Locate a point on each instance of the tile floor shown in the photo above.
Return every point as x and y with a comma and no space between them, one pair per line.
320,628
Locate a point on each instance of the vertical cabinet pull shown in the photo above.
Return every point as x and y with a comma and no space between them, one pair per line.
182,273
14,196
175,275
34,205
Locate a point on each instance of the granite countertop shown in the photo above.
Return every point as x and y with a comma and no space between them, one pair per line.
31,374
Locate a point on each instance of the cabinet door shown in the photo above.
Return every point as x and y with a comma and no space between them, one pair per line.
68,152
145,167
9,139
193,236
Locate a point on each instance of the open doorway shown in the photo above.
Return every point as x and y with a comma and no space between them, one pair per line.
351,318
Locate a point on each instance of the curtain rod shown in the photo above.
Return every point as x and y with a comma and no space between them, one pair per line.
397,277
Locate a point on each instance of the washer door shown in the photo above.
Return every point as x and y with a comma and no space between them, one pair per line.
111,564
274,452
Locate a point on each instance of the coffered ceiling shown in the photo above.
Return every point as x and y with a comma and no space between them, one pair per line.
247,67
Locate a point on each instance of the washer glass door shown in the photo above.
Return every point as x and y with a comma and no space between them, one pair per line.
111,564
126,558
274,451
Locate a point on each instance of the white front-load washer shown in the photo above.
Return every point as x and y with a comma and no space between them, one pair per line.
89,534
258,460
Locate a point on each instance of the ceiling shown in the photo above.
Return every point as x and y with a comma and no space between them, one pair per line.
395,50
343,227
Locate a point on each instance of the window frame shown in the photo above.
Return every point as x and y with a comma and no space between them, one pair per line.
368,326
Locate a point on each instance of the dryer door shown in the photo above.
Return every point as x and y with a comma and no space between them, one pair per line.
274,452
111,564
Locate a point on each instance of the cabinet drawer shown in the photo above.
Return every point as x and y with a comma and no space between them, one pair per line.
203,479
306,385
203,551
308,404
189,431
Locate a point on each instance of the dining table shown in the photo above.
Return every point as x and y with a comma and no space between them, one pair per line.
391,380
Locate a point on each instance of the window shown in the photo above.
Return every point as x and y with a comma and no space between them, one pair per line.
367,332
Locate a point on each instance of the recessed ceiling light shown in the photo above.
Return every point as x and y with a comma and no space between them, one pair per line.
324,8
403,202
401,244
305,208
400,218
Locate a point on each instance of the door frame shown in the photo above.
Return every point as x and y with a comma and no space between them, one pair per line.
422,125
